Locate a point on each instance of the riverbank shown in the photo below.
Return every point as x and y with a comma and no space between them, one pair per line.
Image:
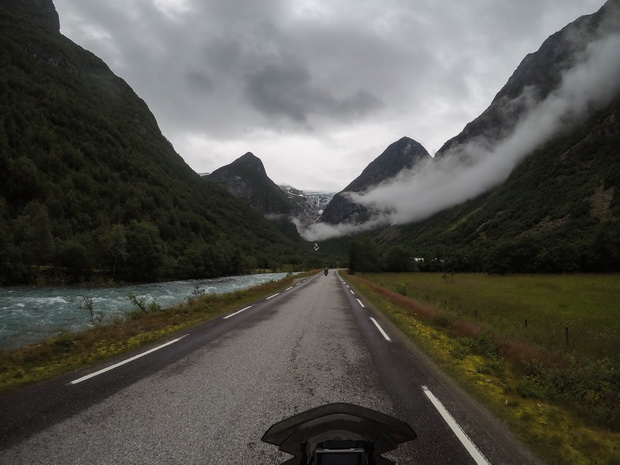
31,314
145,324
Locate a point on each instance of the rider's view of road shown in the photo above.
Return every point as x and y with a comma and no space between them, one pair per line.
309,232
211,394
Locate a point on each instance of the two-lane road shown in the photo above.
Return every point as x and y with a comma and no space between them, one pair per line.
209,394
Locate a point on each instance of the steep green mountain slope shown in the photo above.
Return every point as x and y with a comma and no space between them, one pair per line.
559,211
537,76
88,182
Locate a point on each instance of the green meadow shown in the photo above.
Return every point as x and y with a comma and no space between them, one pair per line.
579,314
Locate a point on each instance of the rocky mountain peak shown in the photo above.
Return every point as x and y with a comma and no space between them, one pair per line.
246,179
251,162
400,155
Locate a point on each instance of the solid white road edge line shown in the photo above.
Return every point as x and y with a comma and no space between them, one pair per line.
360,302
272,296
237,312
116,365
456,428
387,338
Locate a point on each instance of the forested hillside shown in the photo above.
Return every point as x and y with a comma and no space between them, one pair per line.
88,184
559,211
556,125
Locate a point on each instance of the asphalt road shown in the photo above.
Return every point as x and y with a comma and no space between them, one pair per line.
206,396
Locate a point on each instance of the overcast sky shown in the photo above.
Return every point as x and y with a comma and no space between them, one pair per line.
315,89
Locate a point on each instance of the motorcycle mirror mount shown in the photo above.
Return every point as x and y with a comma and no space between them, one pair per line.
338,434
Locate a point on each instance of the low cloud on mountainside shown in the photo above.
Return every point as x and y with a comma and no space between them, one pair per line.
468,170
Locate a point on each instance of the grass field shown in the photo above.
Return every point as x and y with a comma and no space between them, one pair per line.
558,390
566,313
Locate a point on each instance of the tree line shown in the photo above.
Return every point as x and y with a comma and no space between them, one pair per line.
598,254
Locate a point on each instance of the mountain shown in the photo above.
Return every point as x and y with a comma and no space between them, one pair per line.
247,179
559,208
400,155
90,186
537,76
558,212
42,12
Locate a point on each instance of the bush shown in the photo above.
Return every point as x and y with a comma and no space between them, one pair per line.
532,387
142,305
484,344
64,339
96,318
401,288
592,388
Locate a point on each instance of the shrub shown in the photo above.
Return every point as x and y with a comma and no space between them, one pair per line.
64,339
401,288
593,388
96,318
142,305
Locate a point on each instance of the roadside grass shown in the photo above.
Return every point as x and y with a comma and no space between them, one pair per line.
561,396
147,322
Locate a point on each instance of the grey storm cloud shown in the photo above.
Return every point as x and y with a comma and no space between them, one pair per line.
287,89
334,82
200,81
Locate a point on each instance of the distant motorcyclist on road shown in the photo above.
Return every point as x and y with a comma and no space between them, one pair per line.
326,270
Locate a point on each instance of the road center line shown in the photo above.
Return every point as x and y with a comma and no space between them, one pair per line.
272,296
387,338
237,312
360,302
456,428
116,365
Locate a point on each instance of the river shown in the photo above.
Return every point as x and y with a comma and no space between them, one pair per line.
32,314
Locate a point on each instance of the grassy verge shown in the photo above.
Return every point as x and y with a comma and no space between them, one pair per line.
145,324
562,398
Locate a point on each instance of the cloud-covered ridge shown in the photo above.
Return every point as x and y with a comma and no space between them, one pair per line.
471,168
